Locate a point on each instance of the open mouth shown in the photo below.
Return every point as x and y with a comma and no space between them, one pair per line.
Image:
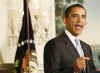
78,27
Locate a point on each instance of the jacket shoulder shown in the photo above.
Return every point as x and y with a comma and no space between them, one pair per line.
86,44
55,42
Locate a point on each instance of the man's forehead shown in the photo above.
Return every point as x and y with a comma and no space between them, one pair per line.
78,10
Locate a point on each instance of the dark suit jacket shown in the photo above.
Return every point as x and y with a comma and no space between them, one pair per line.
60,55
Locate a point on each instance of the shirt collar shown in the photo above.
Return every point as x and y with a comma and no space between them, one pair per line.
71,37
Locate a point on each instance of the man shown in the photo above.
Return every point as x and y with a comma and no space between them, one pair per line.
66,53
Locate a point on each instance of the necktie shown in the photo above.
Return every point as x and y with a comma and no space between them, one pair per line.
79,48
80,51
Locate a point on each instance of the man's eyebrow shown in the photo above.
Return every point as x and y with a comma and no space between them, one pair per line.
74,14
84,15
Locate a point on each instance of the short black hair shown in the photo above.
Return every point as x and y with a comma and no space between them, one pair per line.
68,10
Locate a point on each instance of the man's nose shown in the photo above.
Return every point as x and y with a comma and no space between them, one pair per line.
79,19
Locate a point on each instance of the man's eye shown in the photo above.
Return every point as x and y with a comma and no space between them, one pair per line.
74,15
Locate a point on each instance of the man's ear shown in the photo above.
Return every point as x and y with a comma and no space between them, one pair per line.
65,20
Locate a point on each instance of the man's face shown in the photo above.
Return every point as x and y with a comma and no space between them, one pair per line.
76,20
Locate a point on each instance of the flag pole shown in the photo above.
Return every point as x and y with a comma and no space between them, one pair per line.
28,31
27,54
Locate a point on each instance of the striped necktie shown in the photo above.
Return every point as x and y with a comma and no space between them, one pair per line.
79,48
80,51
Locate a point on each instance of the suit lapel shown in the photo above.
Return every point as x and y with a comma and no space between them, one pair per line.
70,46
84,49
86,55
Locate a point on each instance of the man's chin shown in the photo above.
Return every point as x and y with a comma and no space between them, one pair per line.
76,33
